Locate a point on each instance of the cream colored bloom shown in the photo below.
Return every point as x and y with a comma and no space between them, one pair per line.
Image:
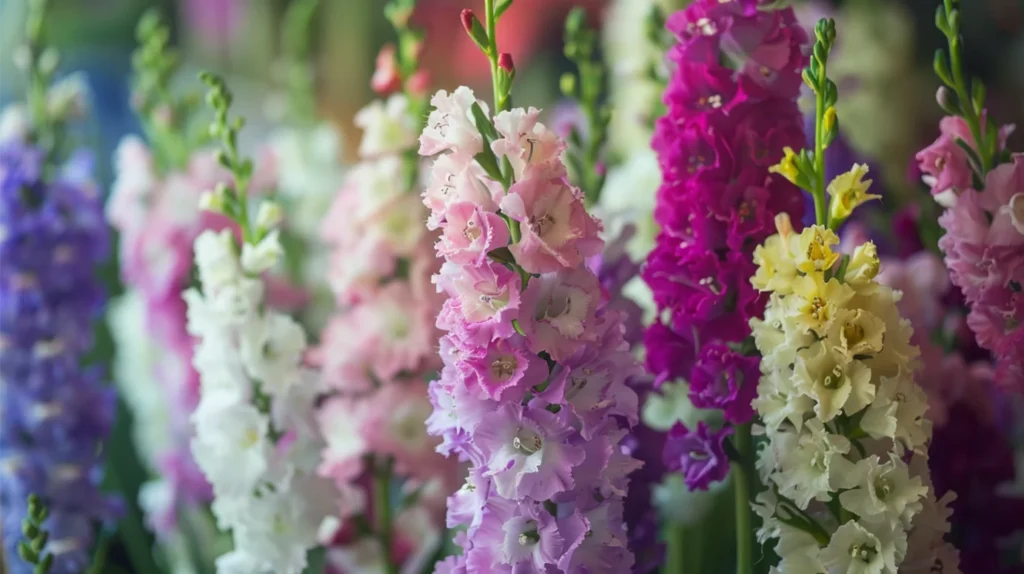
848,191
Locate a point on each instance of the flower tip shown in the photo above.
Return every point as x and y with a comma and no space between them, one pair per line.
783,225
505,62
467,18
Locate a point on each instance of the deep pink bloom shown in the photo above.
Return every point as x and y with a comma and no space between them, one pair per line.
726,380
731,109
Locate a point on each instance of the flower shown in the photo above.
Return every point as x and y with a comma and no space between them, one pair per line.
849,191
559,312
533,393
698,454
727,173
556,230
837,351
725,380
388,127
982,248
451,126
56,414
855,548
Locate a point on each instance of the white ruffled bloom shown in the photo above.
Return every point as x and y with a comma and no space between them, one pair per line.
856,549
843,416
254,388
388,127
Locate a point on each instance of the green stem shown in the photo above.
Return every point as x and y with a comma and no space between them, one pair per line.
382,509
966,101
492,50
820,205
742,484
675,541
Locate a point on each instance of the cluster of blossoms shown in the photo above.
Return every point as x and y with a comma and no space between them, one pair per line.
533,391
731,110
378,350
56,414
984,242
846,461
970,453
255,436
158,219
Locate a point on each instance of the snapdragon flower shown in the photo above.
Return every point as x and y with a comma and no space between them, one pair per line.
253,432
981,183
378,349
56,412
846,458
734,66
533,391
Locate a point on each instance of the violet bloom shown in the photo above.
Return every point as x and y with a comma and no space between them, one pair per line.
699,454
726,380
56,414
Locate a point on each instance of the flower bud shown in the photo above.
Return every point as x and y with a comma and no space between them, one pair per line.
269,215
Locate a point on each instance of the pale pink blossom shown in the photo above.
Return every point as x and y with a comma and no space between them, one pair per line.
470,233
525,141
558,312
556,230
450,125
456,180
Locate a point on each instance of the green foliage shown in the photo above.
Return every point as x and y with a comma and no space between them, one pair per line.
32,549
588,88
168,119
955,98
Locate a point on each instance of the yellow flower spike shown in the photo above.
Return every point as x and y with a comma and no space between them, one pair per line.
849,190
787,166
813,249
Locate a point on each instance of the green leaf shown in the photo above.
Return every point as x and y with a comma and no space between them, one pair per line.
978,95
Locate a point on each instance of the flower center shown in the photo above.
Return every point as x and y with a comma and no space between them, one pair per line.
530,536
504,367
853,333
819,310
834,380
883,487
541,225
863,552
712,285
529,445
472,231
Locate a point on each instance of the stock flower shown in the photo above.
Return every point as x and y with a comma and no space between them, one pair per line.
533,394
845,356
726,175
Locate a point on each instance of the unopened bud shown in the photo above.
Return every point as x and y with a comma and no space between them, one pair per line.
269,215
505,62
944,97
